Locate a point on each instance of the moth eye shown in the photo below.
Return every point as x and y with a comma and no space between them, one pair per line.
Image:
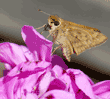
56,23
53,19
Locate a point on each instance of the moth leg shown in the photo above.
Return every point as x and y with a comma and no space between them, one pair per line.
54,39
57,48
53,45
53,42
41,26
41,32
48,35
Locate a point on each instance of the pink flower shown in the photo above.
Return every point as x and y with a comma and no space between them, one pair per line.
35,74
40,81
43,82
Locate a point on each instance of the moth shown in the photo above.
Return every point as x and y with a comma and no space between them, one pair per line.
72,37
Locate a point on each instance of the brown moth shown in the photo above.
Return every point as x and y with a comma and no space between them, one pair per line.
72,37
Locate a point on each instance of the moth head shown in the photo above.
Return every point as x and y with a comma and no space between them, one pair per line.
53,21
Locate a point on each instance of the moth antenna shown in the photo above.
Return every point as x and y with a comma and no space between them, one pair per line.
43,12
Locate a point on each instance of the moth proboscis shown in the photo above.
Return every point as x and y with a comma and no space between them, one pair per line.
72,37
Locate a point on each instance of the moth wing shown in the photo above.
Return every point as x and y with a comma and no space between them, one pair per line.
82,38
67,48
83,26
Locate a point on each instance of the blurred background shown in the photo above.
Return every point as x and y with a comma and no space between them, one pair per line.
14,14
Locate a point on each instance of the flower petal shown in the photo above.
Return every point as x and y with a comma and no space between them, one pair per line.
57,84
105,95
58,94
57,71
56,60
31,96
11,54
37,44
102,89
28,55
83,83
2,89
7,66
80,83
5,71
66,79
44,83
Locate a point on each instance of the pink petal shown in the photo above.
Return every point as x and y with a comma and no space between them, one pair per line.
80,83
9,84
29,67
7,66
5,72
44,83
58,94
102,88
66,80
83,83
31,96
11,53
57,71
105,95
56,60
57,84
37,44
2,89
89,79
28,55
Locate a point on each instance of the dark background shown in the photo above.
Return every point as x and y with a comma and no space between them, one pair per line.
14,14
